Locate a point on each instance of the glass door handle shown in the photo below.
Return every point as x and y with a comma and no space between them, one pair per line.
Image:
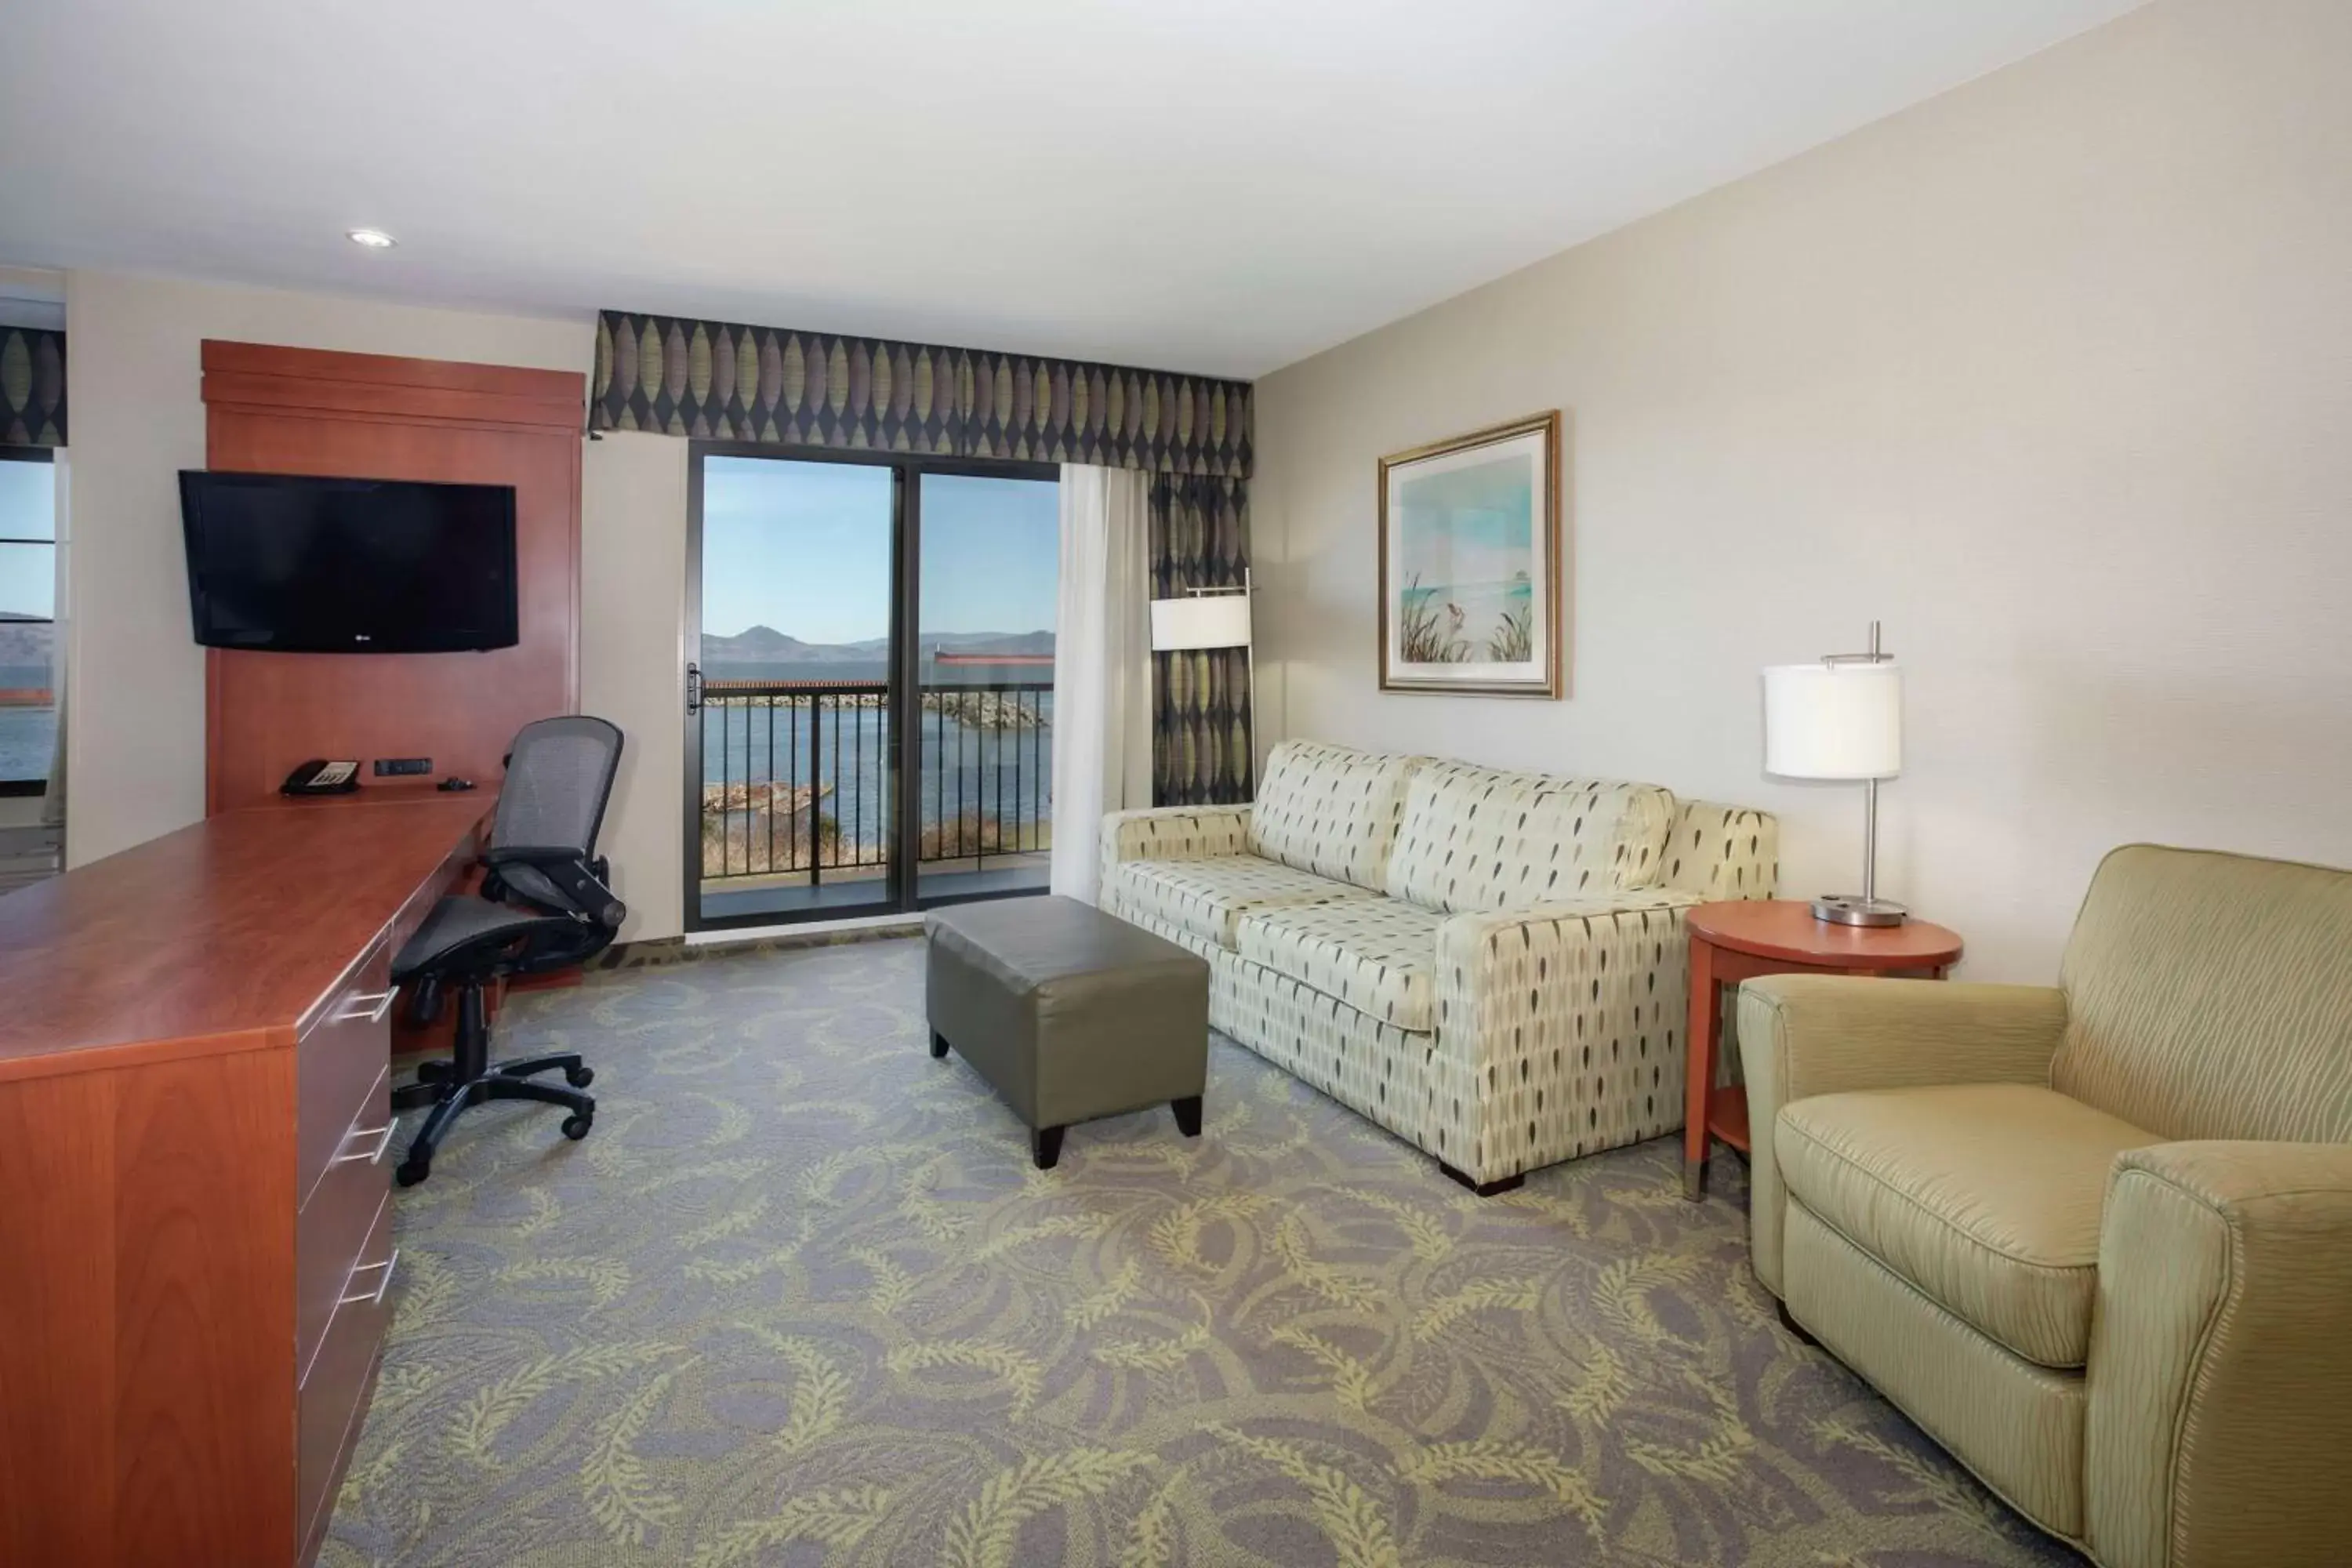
694,688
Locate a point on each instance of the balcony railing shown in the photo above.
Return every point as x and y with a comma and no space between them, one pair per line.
797,785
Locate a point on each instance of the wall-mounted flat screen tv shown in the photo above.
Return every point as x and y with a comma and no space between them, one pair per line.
296,564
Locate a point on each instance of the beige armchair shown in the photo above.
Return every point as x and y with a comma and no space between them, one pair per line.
2096,1239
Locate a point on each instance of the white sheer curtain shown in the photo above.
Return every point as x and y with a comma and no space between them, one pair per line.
1102,666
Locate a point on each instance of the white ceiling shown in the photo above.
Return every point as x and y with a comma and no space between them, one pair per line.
1214,185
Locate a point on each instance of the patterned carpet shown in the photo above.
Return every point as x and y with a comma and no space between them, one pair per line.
800,1299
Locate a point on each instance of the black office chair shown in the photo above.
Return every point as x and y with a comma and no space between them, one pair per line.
546,903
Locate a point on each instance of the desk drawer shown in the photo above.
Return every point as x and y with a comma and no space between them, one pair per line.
335,1392
347,1048
335,1224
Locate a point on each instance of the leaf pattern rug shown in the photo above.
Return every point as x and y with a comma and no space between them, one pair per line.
801,1299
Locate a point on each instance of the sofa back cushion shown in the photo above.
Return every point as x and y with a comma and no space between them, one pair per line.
1331,810
2210,996
1473,838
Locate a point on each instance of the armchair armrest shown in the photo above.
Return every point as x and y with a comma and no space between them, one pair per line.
1558,1031
1802,1035
1175,833
2220,1366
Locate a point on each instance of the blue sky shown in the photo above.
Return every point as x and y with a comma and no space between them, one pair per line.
28,510
806,548
1471,524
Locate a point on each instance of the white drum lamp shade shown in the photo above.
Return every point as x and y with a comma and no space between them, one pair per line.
1206,620
1842,720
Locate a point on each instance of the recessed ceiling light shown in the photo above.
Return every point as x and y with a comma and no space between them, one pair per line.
372,238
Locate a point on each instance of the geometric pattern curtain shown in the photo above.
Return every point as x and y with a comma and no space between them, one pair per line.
32,387
718,381
1201,717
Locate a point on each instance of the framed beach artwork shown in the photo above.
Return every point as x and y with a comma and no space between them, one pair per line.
1470,579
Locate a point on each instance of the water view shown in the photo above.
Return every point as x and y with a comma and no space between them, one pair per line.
28,740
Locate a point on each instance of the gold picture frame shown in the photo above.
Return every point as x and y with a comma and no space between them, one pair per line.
1471,586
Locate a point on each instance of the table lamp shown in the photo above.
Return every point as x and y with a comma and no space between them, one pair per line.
1841,719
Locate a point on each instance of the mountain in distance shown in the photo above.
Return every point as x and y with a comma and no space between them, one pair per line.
765,644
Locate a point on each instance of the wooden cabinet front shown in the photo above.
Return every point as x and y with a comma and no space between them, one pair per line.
339,1057
335,1387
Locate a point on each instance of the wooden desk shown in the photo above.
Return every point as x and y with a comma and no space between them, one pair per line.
1734,941
194,1238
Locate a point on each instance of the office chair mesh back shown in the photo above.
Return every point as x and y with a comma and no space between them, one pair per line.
558,776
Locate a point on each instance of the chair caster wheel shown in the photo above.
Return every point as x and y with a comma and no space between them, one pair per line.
408,1173
433,1072
580,1077
575,1127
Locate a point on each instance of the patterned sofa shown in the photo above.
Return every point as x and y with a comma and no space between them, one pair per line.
1490,964
2094,1238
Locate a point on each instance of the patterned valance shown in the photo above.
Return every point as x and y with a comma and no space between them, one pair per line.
32,387
715,380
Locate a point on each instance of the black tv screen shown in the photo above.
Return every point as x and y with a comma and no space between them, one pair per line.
311,566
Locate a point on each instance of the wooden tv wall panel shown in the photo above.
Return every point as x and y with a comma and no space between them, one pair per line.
305,411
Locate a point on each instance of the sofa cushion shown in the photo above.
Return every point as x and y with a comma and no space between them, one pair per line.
1473,838
1331,810
1984,1197
1206,897
1378,955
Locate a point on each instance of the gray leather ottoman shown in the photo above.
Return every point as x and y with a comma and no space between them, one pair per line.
1070,1013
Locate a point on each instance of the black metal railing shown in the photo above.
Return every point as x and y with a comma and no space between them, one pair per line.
797,778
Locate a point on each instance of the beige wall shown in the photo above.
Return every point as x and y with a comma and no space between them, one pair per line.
633,664
2053,374
135,763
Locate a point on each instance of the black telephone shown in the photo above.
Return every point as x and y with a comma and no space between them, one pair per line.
320,776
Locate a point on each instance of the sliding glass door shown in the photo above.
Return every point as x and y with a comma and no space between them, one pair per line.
984,645
837,607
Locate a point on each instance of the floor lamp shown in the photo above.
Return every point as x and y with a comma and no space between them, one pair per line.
1204,618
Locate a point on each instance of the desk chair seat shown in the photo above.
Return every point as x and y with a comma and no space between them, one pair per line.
459,925
545,906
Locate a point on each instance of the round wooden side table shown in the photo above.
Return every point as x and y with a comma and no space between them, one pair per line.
1730,942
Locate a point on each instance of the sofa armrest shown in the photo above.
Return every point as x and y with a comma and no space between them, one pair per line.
2220,1365
1559,1031
1175,833
1721,852
1802,1035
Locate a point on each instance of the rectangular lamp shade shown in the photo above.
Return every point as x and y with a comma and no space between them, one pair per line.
1207,620
1834,720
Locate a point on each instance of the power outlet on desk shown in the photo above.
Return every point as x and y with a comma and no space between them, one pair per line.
401,767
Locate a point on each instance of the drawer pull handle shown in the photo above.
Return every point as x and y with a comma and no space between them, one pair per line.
382,1136
357,1007
373,1297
